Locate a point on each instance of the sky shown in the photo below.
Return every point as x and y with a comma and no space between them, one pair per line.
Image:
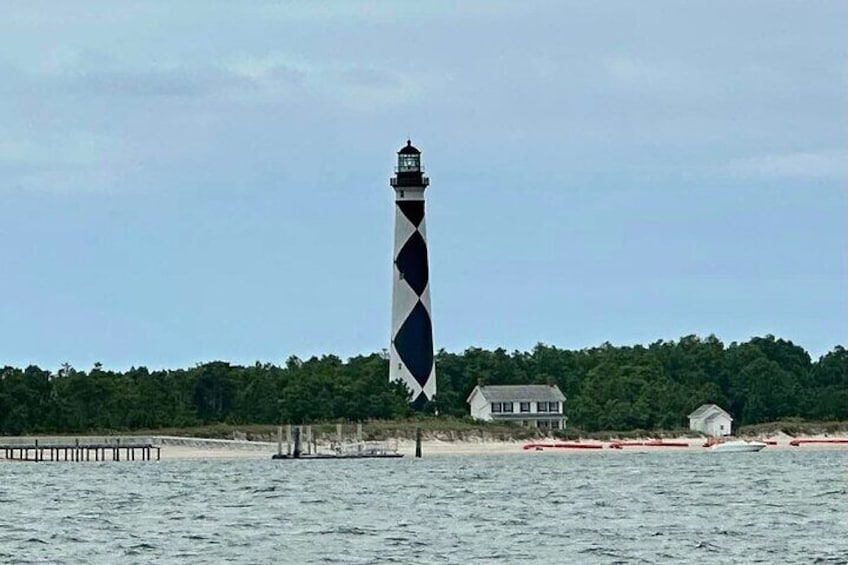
183,182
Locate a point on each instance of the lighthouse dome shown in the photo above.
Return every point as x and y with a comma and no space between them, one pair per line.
409,149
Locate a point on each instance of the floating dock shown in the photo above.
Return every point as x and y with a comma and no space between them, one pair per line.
357,449
325,456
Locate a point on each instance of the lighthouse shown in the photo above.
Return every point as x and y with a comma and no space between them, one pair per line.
411,352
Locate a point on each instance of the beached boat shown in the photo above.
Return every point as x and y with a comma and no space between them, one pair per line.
738,446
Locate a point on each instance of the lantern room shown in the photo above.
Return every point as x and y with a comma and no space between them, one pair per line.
409,159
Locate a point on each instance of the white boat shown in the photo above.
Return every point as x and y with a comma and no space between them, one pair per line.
738,446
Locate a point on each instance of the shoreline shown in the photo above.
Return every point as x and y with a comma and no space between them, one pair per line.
190,448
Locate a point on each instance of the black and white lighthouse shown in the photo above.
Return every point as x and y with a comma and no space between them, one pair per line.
411,353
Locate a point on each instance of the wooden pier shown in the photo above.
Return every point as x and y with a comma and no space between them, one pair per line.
78,452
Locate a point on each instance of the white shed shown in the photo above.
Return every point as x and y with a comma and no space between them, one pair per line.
711,420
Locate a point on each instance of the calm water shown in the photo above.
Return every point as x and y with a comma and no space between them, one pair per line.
781,506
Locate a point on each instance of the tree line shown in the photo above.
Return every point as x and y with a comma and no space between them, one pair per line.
608,387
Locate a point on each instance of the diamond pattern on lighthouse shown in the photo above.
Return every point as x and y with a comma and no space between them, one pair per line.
413,210
414,343
412,262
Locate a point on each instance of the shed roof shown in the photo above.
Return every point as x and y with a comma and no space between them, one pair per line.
704,410
521,393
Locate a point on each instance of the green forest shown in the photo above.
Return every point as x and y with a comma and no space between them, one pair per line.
607,387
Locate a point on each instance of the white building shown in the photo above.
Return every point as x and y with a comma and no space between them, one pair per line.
711,420
537,406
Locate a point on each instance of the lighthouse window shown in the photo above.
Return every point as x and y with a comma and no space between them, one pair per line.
409,162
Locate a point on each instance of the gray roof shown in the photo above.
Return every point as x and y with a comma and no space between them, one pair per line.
702,410
522,393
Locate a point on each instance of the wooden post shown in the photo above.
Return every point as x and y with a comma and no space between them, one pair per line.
288,439
418,442
296,449
339,435
279,441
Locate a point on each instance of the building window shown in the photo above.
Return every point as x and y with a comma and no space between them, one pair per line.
496,407
401,194
542,424
507,407
525,423
553,407
524,407
541,407
554,424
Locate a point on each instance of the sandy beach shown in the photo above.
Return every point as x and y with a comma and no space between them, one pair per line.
181,448
694,445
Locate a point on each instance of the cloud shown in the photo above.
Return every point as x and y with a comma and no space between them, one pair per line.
271,68
68,162
626,68
76,149
826,164
172,82
355,86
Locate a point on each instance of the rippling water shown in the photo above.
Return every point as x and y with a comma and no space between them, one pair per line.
781,506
